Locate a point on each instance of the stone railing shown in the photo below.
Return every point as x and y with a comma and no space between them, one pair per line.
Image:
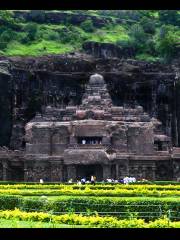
176,152
86,146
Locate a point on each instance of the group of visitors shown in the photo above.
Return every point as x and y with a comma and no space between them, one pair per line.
95,141
84,181
125,180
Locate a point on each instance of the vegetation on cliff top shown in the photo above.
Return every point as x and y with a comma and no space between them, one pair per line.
154,35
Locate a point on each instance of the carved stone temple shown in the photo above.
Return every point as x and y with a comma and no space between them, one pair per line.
94,138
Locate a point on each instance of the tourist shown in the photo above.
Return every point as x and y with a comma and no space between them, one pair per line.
78,182
109,180
92,180
41,181
129,180
121,181
70,180
83,181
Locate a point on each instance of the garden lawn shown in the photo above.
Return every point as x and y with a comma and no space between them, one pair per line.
13,223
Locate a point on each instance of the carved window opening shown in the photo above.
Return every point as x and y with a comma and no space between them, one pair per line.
89,140
158,145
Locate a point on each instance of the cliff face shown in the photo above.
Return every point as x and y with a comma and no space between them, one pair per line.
107,50
5,103
53,17
61,79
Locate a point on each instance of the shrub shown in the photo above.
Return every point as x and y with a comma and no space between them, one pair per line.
31,29
9,202
125,43
87,25
37,15
117,192
155,207
97,221
166,41
137,33
169,17
148,25
138,37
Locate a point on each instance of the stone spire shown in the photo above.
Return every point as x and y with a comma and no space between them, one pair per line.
96,95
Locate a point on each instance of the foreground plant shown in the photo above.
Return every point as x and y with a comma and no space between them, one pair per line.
96,221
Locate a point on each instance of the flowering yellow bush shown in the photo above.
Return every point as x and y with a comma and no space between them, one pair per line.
105,222
118,192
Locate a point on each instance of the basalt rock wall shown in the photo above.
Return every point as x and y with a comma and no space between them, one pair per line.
59,17
61,79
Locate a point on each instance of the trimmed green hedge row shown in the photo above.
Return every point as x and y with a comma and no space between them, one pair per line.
145,207
104,183
90,192
88,187
96,221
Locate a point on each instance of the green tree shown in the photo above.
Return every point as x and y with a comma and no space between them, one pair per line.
38,15
6,17
166,42
87,25
148,25
138,37
31,29
169,17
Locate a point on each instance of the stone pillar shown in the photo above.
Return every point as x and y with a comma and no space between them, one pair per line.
72,140
5,173
106,172
106,140
164,146
57,173
144,172
136,171
25,173
153,172
71,172
117,171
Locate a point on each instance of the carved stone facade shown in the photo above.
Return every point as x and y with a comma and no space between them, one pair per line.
94,138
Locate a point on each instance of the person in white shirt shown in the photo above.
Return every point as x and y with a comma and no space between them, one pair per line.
41,181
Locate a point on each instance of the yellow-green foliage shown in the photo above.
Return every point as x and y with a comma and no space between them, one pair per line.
88,190
74,219
89,186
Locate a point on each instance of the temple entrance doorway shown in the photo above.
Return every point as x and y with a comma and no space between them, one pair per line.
17,173
86,171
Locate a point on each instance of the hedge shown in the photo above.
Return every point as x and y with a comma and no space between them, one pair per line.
98,183
91,192
142,207
97,221
93,187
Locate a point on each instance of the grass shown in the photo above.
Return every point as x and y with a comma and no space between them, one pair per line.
34,39
43,47
146,57
113,199
110,34
13,223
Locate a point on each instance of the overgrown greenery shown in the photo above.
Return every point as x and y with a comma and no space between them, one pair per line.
154,35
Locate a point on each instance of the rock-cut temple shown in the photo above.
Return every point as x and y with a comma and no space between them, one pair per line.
94,138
